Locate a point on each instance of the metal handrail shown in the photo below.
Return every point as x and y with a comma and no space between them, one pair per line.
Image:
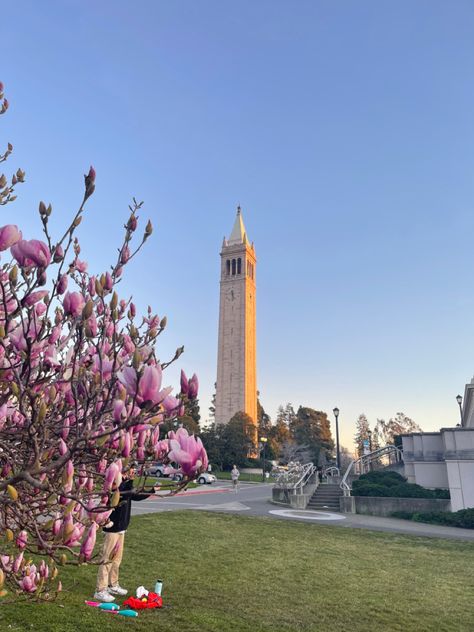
364,462
308,471
303,471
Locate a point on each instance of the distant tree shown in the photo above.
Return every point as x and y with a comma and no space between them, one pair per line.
362,433
312,428
290,451
286,414
214,442
386,431
237,440
212,407
346,458
181,422
279,434
264,423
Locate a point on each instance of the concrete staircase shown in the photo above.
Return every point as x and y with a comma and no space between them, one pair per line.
326,497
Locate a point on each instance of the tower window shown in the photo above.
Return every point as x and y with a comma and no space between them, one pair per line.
233,267
239,265
227,267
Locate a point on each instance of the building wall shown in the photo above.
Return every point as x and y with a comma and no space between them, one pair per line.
445,460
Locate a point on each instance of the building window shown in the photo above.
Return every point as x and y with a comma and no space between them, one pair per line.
233,267
239,265
227,267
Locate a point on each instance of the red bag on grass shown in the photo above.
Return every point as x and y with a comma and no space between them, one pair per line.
153,601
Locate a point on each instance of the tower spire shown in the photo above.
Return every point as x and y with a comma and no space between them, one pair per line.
238,234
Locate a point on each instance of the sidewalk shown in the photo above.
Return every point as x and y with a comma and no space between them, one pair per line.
395,525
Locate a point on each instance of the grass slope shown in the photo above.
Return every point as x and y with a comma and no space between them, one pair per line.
241,574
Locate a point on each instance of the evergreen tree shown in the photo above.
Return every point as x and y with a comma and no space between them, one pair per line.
238,439
362,433
264,423
212,407
312,429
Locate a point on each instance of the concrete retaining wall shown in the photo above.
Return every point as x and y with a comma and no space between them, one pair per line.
376,506
290,499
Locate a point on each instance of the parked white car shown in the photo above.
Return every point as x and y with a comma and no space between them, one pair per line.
156,469
204,479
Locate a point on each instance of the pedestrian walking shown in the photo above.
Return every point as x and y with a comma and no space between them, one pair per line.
234,474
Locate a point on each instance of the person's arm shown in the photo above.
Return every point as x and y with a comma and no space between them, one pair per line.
146,493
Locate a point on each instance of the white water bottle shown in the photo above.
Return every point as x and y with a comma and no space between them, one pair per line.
158,586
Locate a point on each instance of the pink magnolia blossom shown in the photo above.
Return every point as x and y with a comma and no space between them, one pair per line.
88,544
31,253
188,452
193,387
184,383
17,563
109,283
81,266
28,584
22,540
62,284
110,475
150,384
73,304
34,297
9,235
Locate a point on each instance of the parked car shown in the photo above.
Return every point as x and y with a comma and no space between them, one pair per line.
204,479
156,469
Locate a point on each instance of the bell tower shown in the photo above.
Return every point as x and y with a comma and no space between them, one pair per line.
236,388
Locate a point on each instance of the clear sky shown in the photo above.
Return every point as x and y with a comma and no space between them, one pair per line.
344,128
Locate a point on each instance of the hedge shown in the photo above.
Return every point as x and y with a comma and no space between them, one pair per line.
463,518
393,485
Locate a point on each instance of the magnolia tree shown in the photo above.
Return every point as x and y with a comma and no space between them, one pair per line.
81,397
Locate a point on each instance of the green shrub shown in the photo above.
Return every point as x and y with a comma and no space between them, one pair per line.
435,517
410,490
442,494
464,518
368,489
384,477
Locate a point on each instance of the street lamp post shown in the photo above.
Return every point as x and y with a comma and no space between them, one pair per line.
338,456
459,401
264,443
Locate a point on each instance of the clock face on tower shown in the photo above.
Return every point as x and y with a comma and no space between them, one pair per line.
232,295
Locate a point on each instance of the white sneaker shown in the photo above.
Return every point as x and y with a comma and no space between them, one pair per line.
117,590
104,595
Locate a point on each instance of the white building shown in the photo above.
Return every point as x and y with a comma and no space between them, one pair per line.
445,459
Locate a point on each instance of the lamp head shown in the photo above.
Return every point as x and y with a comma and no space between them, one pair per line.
459,399
336,412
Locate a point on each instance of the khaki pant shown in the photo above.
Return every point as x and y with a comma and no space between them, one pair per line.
108,574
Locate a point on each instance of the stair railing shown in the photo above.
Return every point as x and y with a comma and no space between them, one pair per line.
295,477
369,462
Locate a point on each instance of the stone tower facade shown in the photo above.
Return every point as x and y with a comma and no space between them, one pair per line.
236,388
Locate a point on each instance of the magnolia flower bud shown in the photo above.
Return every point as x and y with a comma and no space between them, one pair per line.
89,181
58,254
87,311
148,229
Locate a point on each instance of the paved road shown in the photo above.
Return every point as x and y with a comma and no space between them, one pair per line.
253,499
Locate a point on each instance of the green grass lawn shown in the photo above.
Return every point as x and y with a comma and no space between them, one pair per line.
228,573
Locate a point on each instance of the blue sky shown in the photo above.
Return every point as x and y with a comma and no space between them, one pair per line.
343,128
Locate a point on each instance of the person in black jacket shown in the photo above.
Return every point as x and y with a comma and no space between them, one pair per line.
108,574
